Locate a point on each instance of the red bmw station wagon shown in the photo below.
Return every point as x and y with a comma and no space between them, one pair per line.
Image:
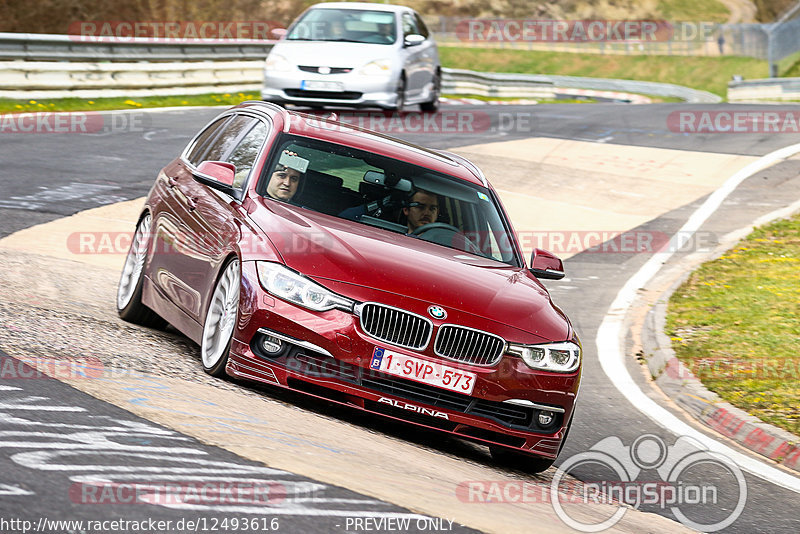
331,260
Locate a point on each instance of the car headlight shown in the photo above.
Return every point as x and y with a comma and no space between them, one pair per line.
564,357
297,289
380,67
277,63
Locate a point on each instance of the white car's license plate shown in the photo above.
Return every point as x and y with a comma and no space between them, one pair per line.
424,371
319,85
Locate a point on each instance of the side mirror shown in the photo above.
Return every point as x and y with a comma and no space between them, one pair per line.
219,170
546,265
277,33
413,39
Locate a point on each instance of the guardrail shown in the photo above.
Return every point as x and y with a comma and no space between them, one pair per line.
43,47
61,79
458,81
56,66
768,89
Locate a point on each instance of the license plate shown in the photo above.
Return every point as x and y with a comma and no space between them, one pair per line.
320,85
419,370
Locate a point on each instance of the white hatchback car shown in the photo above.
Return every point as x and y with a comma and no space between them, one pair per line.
355,55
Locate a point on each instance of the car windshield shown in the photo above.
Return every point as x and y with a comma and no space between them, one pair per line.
348,25
389,194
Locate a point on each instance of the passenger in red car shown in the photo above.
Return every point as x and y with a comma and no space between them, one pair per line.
284,181
421,210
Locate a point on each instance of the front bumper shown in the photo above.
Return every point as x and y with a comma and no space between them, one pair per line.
327,355
356,91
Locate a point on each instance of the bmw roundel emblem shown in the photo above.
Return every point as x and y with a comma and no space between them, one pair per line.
437,312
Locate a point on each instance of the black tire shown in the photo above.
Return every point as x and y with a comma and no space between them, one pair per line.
401,94
432,106
129,290
220,321
520,460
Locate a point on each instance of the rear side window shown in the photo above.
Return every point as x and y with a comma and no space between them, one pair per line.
234,139
203,141
231,135
245,153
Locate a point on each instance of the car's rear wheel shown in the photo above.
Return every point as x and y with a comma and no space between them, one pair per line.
129,290
221,320
520,460
432,105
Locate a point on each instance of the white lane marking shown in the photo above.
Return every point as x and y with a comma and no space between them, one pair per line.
96,457
24,403
7,489
9,388
611,334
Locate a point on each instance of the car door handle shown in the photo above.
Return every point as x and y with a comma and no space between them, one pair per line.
191,203
172,181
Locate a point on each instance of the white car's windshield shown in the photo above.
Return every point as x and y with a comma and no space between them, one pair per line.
350,25
389,194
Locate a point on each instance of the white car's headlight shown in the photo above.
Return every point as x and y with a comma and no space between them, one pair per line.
379,67
277,63
564,357
297,289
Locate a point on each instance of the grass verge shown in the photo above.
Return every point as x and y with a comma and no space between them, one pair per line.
734,324
694,10
100,104
710,74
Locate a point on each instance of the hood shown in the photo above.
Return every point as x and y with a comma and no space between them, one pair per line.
332,53
328,248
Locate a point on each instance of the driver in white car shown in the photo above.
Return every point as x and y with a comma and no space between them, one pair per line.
422,209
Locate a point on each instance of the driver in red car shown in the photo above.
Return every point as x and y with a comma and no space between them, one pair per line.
422,209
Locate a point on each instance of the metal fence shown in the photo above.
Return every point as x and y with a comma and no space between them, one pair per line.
686,38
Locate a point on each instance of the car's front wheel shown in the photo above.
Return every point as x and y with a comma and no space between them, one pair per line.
129,290
400,91
221,320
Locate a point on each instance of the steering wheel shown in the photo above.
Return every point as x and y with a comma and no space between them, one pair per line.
445,228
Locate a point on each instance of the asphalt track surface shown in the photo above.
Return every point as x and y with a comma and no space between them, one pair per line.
46,177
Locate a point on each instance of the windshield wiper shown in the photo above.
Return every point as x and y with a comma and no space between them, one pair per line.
342,40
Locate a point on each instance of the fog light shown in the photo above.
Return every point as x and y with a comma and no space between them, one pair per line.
271,344
545,418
